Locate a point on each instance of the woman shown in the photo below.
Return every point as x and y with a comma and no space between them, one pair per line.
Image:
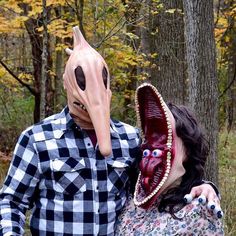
174,154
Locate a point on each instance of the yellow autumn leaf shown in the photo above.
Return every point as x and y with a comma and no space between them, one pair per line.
154,55
51,73
56,2
60,47
2,72
132,36
171,11
25,77
11,6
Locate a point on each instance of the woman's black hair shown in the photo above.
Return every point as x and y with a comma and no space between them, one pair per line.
196,147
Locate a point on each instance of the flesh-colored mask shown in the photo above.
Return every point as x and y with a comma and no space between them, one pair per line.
87,83
163,151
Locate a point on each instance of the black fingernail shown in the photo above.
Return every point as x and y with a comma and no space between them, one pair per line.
213,207
219,214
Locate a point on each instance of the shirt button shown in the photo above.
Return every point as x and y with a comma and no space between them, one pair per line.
88,144
97,187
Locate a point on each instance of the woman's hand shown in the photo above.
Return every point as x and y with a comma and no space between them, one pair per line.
206,194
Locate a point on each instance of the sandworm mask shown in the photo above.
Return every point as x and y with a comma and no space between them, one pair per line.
163,151
87,83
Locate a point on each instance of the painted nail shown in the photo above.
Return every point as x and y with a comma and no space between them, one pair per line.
218,212
188,198
202,199
211,205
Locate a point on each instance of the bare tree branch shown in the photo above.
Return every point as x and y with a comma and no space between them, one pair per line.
32,91
229,85
111,32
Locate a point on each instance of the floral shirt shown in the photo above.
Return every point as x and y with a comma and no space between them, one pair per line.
194,219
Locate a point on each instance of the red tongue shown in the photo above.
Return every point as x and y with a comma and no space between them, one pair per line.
149,167
146,183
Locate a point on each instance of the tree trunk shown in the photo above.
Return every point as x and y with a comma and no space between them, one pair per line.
59,72
44,62
231,94
36,47
131,15
168,42
203,85
79,6
145,37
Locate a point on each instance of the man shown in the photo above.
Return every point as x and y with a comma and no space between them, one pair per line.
72,169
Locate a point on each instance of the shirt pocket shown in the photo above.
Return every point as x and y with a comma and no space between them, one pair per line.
117,176
67,175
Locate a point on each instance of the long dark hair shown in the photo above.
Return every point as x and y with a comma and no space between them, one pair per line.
197,148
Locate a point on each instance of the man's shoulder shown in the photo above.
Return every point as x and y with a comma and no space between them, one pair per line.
125,130
48,128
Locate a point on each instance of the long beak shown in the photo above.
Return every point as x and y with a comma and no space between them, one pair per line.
100,117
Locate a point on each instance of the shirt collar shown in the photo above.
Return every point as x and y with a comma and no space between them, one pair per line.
67,123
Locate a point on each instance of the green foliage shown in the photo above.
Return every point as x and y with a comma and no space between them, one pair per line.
15,114
227,179
3,171
222,77
122,111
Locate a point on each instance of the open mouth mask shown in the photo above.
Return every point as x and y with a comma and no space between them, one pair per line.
163,152
87,82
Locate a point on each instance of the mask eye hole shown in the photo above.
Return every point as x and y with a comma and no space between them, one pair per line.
146,153
156,153
80,78
104,76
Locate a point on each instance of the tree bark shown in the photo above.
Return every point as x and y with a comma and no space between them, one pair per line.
59,71
79,6
132,15
146,39
43,101
231,93
167,40
36,47
203,84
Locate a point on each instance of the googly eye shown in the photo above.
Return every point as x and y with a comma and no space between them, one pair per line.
156,153
146,152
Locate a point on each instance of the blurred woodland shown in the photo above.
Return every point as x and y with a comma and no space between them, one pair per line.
186,48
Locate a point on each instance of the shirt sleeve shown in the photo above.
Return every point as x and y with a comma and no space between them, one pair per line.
19,187
134,170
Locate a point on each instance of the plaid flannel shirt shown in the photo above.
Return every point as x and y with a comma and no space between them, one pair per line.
70,187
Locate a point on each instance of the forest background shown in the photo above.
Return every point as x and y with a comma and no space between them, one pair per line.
186,48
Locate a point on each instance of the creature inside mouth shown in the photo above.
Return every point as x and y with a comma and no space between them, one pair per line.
152,114
81,106
150,182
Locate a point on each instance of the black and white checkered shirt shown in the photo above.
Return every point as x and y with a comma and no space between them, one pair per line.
71,188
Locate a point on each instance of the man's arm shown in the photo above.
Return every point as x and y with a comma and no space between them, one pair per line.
18,188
